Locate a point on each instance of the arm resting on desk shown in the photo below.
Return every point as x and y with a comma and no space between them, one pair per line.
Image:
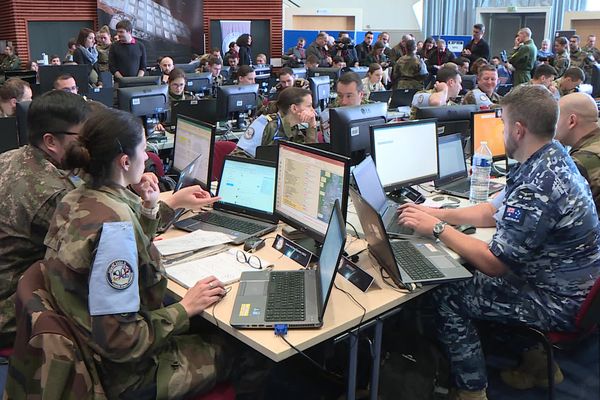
480,215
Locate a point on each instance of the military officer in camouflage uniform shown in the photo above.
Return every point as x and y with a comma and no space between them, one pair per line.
214,65
568,83
484,95
561,60
590,48
448,84
581,58
523,60
577,127
409,71
106,277
295,121
287,79
177,84
543,259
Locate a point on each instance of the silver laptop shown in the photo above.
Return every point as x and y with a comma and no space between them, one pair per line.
368,184
246,208
295,298
453,175
415,260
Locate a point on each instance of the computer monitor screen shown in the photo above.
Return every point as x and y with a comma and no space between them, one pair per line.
192,139
300,72
233,99
81,74
188,68
21,113
488,126
321,90
405,153
28,76
204,110
349,127
144,100
309,181
447,113
451,156
451,127
134,81
360,71
200,83
332,73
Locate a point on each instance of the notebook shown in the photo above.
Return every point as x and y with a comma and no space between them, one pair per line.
295,298
415,260
368,184
453,175
246,208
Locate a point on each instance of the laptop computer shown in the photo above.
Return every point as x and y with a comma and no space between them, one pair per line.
295,298
368,184
246,208
382,96
453,175
402,97
415,260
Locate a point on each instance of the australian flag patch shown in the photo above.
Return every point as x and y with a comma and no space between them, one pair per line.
514,214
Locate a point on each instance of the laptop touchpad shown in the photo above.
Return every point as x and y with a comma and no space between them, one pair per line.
441,262
255,288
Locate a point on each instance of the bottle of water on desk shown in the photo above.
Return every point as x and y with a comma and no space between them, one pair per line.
480,177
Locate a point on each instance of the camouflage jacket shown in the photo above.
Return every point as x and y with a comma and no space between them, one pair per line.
31,185
583,60
9,63
561,62
561,92
523,60
586,154
134,349
547,230
592,51
102,63
409,73
271,105
470,98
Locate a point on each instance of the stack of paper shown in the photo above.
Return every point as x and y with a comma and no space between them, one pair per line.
192,241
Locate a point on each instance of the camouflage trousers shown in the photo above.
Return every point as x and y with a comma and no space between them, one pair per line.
502,300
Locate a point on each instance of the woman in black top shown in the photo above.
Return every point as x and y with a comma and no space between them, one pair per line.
245,42
86,52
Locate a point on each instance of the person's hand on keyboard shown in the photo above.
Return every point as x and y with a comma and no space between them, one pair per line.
203,294
191,198
415,216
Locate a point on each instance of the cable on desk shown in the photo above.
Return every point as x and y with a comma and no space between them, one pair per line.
312,361
354,229
362,318
426,190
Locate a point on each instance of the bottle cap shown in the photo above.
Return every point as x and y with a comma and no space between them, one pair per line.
483,142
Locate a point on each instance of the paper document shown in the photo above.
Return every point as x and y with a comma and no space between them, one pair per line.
192,241
224,266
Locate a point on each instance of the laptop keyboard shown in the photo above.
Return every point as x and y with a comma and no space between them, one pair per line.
416,265
285,296
462,186
232,223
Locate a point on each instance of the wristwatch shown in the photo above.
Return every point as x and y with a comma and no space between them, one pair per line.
438,229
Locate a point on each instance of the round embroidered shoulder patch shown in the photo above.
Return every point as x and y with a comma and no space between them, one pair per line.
119,274
249,134
483,97
420,98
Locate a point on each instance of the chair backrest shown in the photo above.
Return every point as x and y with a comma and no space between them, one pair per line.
47,357
222,148
589,313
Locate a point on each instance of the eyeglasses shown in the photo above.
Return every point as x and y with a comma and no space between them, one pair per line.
252,261
63,133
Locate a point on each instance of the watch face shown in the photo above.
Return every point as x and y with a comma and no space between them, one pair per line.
438,227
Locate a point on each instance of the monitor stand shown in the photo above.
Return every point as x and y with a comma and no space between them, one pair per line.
240,122
407,194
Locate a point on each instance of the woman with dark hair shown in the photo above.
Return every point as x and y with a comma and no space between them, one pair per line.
372,82
244,42
428,48
86,52
177,85
106,277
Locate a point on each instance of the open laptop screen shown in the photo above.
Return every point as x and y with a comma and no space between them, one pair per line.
369,185
452,161
247,184
193,138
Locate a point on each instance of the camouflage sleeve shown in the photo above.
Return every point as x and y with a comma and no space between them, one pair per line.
41,220
561,65
469,98
522,224
311,135
588,164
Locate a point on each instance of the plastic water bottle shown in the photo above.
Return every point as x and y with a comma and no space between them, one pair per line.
44,59
480,177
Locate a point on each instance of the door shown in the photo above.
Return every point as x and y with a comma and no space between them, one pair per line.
503,27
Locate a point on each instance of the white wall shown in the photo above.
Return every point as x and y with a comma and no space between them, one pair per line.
394,16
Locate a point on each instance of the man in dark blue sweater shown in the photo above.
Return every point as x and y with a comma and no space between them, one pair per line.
127,57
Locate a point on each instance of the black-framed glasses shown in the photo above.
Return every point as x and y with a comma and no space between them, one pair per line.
63,133
251,260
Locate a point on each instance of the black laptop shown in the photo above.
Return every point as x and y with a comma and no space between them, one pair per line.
246,208
382,96
295,298
453,175
402,97
414,260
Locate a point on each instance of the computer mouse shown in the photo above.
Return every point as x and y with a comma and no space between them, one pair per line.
466,229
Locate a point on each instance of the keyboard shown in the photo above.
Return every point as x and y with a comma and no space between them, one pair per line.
285,297
416,265
235,224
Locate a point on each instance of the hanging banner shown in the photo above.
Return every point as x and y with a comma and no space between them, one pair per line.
230,31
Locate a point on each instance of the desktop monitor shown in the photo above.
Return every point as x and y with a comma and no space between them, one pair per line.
134,81
447,113
300,72
144,101
488,126
321,90
204,110
309,181
233,101
405,153
21,114
360,71
194,138
349,127
263,78
200,83
450,127
188,68
29,76
226,72
332,73
81,74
